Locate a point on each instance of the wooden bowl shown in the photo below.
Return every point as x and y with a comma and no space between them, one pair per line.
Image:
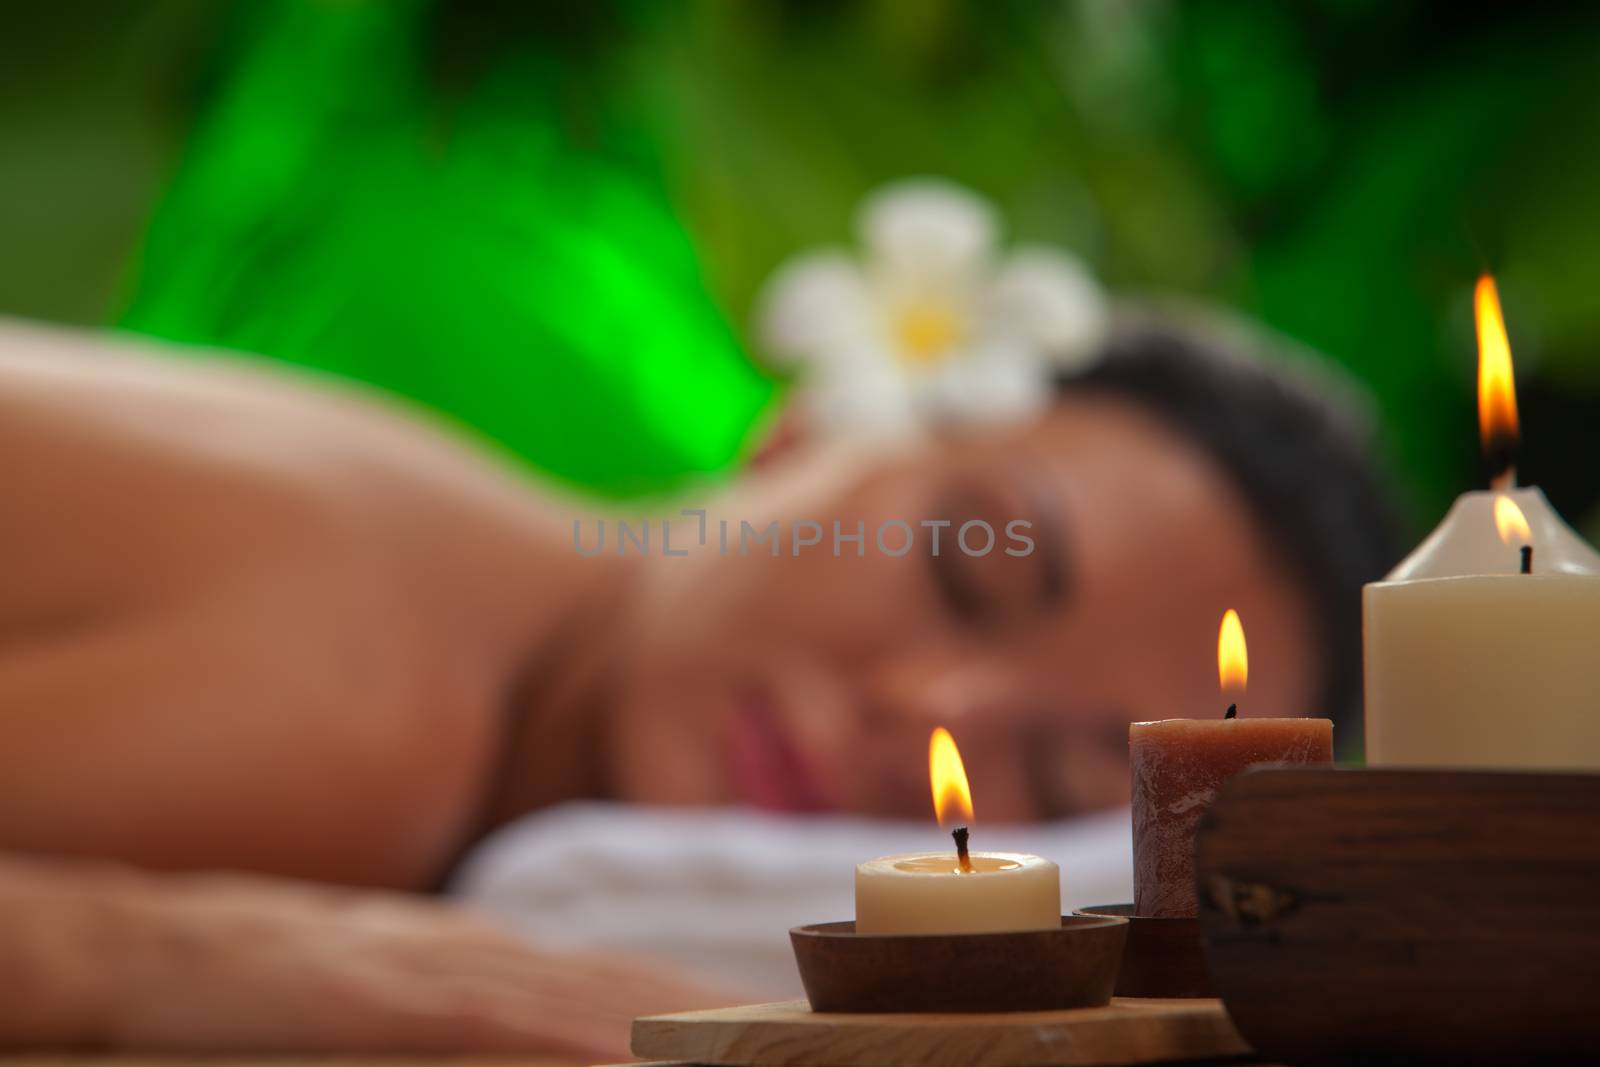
1073,966
1162,958
1405,916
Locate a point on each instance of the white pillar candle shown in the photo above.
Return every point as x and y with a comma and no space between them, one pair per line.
1468,662
931,894
1493,670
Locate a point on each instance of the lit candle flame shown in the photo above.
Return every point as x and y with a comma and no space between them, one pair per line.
1510,522
951,795
1233,659
1497,391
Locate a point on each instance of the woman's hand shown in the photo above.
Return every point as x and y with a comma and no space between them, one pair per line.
225,963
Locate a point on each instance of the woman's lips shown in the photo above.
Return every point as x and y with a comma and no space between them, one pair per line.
769,770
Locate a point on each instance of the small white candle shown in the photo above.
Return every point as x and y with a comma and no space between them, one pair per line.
931,894
955,892
1468,661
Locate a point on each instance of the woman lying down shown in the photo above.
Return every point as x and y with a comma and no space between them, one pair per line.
274,655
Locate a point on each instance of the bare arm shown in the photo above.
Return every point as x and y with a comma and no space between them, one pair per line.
252,623
111,957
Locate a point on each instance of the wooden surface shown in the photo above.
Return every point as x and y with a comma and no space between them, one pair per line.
247,1060
789,1034
1406,916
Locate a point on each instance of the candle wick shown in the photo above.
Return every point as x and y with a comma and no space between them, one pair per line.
1232,712
960,834
1527,559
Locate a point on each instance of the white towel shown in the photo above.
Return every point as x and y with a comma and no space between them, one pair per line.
713,892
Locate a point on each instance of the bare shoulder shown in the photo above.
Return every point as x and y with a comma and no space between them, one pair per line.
251,621
137,470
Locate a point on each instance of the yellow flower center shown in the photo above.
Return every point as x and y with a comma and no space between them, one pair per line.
927,332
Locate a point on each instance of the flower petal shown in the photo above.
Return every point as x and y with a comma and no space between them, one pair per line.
993,383
925,233
814,305
861,397
1049,300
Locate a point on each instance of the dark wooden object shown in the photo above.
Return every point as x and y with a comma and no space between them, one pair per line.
1072,966
1162,957
1406,916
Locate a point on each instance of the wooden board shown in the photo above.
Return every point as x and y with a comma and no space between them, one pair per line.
196,1059
790,1034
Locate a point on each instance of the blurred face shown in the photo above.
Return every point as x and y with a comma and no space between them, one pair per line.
812,682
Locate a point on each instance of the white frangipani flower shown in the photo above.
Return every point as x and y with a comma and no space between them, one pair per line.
930,322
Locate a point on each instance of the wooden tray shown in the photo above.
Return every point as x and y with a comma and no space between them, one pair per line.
790,1034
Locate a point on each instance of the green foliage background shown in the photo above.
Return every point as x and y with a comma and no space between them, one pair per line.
548,222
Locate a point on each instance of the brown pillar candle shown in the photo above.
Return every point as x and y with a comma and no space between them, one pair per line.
1178,766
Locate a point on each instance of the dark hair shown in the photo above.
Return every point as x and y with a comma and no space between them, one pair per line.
1293,440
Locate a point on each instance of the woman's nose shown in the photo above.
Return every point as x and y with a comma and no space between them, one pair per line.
982,701
951,690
